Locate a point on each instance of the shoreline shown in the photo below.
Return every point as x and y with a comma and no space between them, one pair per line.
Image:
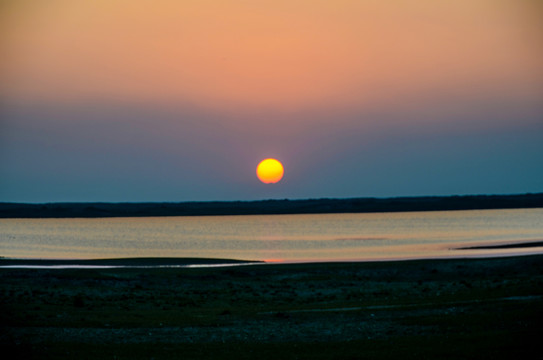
122,263
519,245
173,262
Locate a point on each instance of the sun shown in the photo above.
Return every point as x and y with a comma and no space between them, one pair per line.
270,171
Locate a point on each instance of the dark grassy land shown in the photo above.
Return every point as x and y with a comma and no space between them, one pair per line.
446,309
310,206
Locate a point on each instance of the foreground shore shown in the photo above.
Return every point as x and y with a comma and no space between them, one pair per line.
454,308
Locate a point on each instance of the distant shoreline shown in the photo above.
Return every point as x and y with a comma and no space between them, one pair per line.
270,207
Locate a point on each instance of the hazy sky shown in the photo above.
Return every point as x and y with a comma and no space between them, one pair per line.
176,100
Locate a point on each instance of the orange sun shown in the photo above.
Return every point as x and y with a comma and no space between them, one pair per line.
270,171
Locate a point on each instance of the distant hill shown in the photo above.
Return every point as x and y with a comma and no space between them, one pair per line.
308,206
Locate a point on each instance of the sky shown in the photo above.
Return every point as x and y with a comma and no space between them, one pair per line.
179,100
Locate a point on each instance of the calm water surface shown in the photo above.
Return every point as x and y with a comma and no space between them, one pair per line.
321,237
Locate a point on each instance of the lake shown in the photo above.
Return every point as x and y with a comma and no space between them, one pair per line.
315,237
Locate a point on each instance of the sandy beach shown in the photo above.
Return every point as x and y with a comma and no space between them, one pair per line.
451,308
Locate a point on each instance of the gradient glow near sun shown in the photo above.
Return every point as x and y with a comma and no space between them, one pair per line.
270,171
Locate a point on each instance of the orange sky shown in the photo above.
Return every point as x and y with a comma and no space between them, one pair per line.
280,54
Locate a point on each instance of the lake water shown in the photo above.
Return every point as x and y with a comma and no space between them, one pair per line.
322,237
